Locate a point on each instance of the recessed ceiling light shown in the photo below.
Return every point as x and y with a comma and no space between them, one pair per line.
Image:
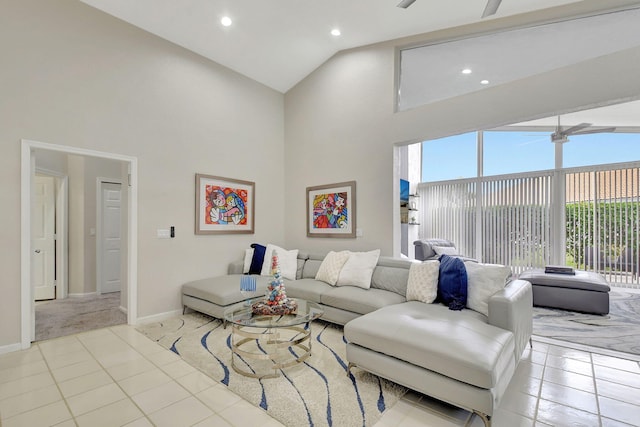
226,21
335,32
466,71
484,82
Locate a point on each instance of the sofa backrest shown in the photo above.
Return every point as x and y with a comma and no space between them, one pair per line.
302,259
311,265
424,247
390,274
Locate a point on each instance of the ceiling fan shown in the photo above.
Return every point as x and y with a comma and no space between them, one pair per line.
490,9
562,135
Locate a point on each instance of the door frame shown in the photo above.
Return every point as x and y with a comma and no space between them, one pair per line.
99,181
62,230
27,304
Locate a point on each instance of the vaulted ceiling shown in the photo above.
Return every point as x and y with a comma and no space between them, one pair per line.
279,42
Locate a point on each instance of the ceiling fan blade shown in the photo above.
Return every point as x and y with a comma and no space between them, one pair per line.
491,8
576,128
595,130
406,3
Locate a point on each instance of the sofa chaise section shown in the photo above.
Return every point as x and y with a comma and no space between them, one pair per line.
461,357
214,295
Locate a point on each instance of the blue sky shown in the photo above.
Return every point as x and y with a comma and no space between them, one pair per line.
512,152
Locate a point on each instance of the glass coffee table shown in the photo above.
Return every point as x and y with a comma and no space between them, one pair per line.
263,345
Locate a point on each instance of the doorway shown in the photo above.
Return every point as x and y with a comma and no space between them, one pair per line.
129,241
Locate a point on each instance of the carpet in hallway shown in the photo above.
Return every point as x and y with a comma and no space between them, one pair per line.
71,315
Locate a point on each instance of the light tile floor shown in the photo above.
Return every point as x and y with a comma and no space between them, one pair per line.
117,377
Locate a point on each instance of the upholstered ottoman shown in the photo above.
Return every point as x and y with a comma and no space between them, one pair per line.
585,291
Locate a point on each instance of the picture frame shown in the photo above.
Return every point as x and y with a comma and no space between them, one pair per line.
224,205
331,210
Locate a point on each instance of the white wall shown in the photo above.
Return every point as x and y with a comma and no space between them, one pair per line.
340,123
77,242
74,76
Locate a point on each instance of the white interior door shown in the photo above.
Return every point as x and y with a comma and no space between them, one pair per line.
110,239
43,258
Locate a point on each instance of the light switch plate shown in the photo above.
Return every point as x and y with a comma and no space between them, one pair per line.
164,234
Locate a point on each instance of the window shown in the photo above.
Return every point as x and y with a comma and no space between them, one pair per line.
601,148
515,152
453,157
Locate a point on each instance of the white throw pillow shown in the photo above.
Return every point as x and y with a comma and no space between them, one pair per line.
445,250
423,281
358,269
248,256
484,280
331,266
288,261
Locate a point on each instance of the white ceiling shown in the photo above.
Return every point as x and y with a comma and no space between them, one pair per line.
434,72
280,42
625,115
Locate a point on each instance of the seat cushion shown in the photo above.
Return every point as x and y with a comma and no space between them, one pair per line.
358,300
309,289
457,344
224,290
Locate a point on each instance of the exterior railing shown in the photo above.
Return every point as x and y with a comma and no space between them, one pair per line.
584,217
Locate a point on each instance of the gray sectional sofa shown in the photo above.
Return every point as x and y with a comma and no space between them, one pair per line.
461,357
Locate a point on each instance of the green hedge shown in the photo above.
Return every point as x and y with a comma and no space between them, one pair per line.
617,223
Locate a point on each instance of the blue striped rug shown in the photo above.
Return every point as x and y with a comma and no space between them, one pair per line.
317,392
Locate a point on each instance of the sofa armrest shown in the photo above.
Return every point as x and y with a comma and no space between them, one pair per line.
236,267
511,308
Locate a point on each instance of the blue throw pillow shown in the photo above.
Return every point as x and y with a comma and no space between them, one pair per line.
258,258
452,283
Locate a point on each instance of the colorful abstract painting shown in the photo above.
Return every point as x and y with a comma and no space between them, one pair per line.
331,210
223,205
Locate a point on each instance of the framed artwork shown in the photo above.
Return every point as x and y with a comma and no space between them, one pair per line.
331,210
224,205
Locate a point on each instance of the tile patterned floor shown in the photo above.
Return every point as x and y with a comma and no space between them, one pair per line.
117,377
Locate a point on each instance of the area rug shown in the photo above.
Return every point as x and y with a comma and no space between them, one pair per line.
618,331
72,315
317,392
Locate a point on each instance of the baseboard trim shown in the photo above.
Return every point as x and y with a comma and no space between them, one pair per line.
158,317
10,348
123,309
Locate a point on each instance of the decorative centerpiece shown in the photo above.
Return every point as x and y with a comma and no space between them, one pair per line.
275,301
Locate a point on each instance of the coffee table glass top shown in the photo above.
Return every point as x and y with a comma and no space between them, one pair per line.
243,316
